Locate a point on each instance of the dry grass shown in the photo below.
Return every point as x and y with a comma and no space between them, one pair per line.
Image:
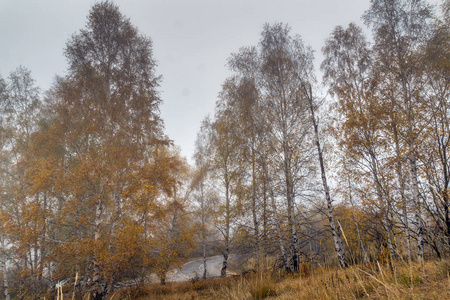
430,280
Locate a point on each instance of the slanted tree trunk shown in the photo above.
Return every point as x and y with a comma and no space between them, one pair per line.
335,231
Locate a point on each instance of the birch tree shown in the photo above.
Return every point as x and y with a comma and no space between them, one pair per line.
287,112
205,195
21,211
112,160
400,27
225,160
348,71
435,57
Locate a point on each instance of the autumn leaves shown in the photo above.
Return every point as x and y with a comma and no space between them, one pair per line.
89,167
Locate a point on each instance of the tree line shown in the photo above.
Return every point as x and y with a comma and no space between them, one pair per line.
92,188
379,138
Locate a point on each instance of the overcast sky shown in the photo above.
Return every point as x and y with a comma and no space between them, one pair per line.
192,40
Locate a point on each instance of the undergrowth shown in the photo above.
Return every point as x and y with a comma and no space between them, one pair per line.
401,280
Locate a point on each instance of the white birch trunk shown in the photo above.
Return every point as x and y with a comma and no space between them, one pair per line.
417,214
279,234
335,231
4,270
401,183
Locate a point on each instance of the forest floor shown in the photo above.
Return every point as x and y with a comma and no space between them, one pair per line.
402,280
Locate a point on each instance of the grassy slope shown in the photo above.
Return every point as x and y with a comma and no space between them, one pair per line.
403,281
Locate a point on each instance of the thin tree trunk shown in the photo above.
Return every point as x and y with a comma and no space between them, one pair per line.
361,243
335,231
290,206
205,272
405,217
387,227
44,240
412,158
202,207
401,182
358,231
117,212
291,222
279,233
97,277
98,214
417,214
384,204
264,214
254,209
223,271
289,184
4,270
444,190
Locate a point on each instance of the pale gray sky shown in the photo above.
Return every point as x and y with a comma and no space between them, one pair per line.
192,40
